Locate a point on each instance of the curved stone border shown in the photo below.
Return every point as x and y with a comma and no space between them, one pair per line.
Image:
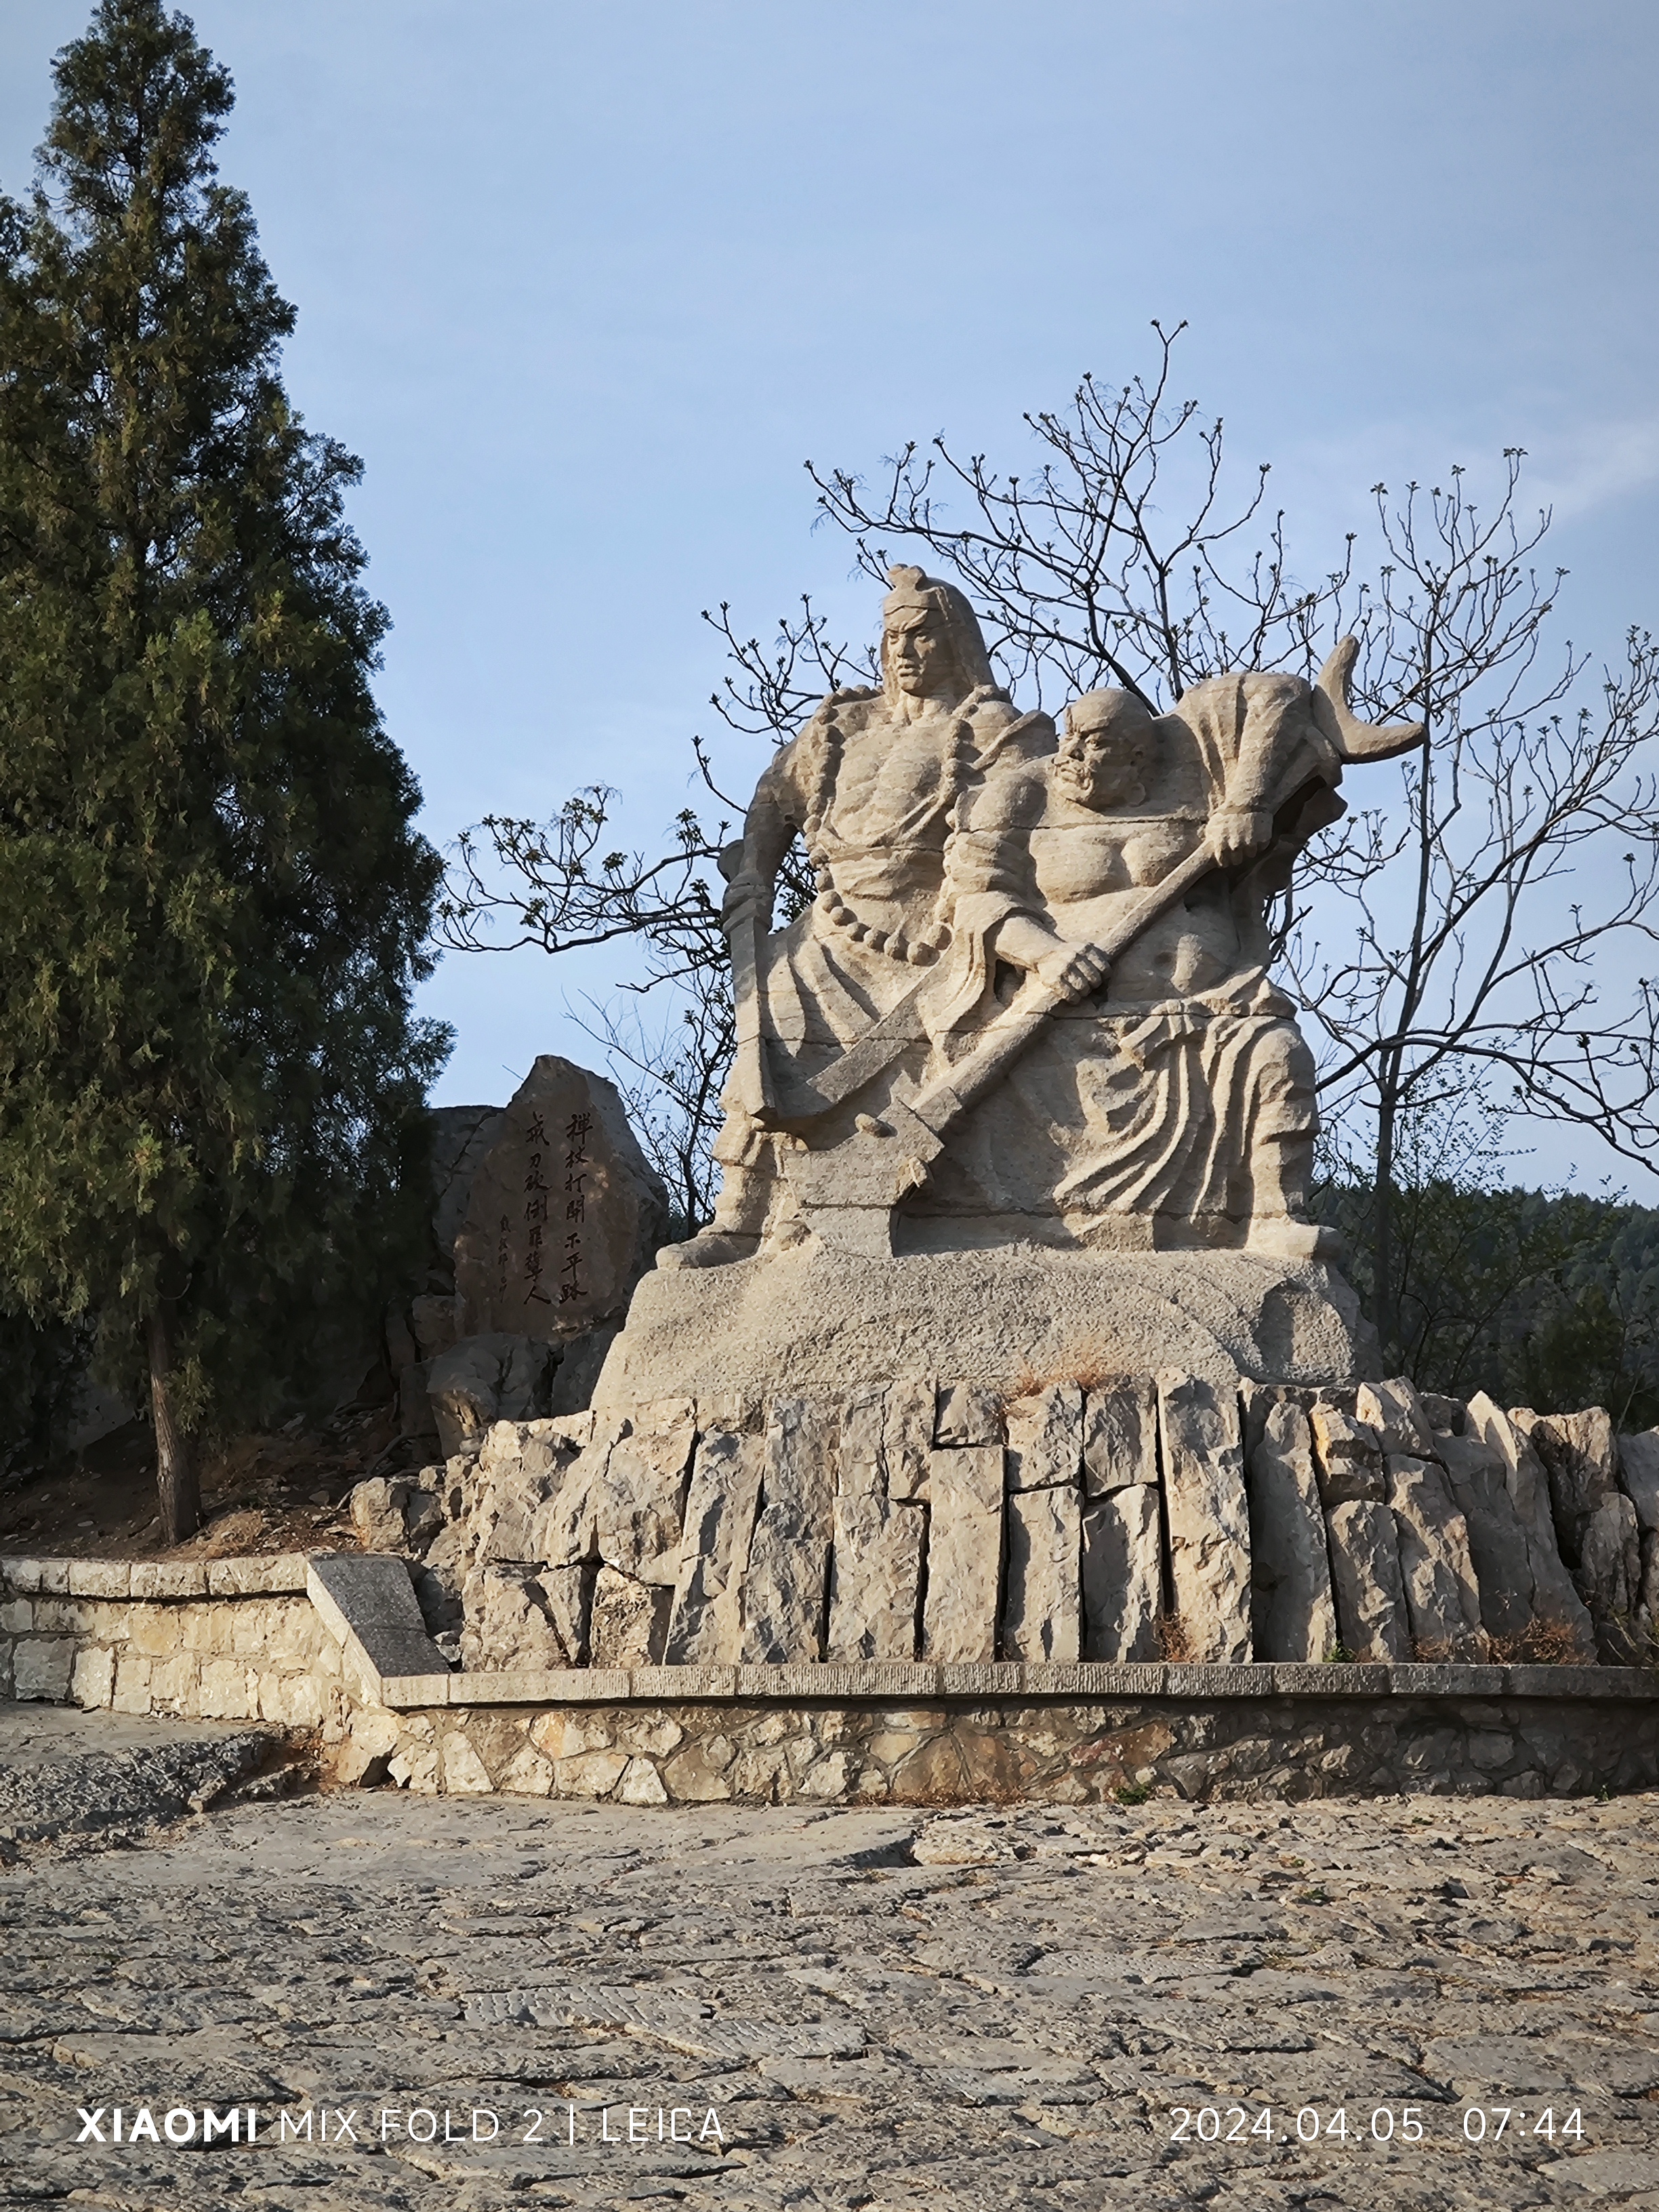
335,1644
1037,1735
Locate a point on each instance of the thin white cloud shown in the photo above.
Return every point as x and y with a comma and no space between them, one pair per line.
1594,466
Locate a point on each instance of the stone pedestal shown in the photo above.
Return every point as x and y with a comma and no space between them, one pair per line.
812,1318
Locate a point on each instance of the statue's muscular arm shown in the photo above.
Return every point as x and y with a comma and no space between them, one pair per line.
991,855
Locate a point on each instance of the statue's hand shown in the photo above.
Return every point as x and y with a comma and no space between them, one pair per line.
1073,971
1236,835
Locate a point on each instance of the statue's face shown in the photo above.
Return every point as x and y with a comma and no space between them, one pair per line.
1101,763
921,658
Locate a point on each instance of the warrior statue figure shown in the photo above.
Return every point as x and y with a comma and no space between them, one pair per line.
1029,1005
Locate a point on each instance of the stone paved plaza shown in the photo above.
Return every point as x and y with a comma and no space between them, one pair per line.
993,2009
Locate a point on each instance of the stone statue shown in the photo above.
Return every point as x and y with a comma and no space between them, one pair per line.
1011,1339
872,786
1016,1088
1169,1102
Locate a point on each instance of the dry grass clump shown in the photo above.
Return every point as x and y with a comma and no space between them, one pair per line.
1544,1642
1638,1639
1175,1640
1439,1651
1090,1368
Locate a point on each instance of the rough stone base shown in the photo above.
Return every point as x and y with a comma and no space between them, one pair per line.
816,1319
1379,1739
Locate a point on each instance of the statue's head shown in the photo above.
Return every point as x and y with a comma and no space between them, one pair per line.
1104,756
930,646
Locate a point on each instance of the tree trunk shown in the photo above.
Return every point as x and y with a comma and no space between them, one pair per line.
1382,1237
176,1483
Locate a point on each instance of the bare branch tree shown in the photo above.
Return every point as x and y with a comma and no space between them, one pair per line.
1483,917
516,883
1079,571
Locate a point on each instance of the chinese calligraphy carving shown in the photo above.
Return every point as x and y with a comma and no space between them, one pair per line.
564,1214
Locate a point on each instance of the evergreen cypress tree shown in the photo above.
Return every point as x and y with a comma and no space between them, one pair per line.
212,903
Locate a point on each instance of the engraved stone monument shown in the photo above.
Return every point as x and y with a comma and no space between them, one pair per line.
563,1213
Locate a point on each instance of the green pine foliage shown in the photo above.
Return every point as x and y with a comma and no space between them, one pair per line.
213,904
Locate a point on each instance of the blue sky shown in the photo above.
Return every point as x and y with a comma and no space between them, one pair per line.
586,286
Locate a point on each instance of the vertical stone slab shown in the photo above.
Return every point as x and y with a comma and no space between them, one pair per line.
964,1554
1580,1454
1293,1613
1371,1618
1119,1435
875,1568
1208,1517
1595,1523
638,1502
1437,1567
562,1532
1497,1543
1609,1576
907,1434
628,1620
1398,1415
1042,1605
968,1413
1045,1437
1122,1574
706,1622
785,1588
1348,1454
1554,1599
1638,1478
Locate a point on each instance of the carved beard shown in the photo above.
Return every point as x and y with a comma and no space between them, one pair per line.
1110,785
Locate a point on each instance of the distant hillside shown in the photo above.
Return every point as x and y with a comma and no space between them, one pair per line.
1543,1300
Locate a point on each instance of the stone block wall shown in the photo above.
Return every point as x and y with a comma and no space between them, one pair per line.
1195,1733
307,1644
228,1639
1096,1519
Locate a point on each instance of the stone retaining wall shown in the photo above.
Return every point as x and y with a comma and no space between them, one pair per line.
1194,1732
333,1647
1100,1519
225,1639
